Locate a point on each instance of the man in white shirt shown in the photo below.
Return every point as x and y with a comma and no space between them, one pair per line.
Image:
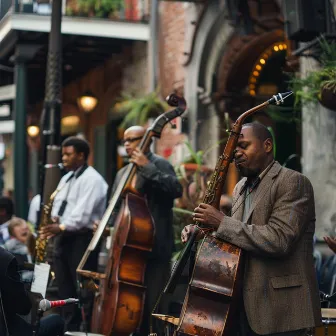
6,213
81,200
34,209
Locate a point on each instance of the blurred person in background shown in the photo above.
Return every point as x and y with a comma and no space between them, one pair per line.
6,213
19,244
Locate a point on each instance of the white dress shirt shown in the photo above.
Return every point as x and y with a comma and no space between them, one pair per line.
34,208
86,199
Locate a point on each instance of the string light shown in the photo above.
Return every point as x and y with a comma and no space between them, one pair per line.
276,47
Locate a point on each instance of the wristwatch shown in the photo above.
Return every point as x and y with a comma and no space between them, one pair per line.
62,227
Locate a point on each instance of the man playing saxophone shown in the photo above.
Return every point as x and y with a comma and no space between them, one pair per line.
273,221
81,200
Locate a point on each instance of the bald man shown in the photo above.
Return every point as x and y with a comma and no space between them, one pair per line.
156,179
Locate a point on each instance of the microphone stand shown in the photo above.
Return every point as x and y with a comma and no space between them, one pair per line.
36,325
81,304
327,298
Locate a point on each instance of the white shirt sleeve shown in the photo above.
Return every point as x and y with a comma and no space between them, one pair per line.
92,201
33,209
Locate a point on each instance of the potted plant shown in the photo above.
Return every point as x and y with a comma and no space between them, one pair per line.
93,8
319,85
193,175
137,110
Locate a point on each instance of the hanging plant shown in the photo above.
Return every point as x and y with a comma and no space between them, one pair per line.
138,110
319,85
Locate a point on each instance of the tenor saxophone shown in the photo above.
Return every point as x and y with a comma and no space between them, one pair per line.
41,243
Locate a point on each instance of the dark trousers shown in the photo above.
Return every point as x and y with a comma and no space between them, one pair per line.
69,249
51,325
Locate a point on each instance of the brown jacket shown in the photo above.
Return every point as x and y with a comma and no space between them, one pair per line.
280,288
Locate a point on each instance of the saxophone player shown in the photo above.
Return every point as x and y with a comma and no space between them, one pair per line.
80,201
273,221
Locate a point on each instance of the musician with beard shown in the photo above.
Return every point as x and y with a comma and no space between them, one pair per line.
273,221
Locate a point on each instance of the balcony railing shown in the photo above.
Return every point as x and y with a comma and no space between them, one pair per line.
116,10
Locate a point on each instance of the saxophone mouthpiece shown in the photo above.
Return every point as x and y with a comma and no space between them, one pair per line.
279,98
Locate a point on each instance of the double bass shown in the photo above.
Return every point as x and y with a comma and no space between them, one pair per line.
213,290
119,303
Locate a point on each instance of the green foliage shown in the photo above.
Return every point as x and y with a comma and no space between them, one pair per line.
138,110
308,89
181,218
274,141
194,157
284,114
100,8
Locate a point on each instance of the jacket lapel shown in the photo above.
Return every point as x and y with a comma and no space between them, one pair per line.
238,209
264,185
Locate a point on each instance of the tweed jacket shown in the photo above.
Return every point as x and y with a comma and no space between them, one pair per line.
280,289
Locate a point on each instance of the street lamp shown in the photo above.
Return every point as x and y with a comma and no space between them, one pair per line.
87,102
70,124
33,131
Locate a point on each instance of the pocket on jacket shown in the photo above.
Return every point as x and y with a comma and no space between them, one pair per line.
293,280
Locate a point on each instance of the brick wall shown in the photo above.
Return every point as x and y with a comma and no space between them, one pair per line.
135,73
171,46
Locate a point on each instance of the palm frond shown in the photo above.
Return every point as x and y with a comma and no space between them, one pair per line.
138,110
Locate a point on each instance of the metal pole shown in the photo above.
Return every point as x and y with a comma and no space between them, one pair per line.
51,115
20,147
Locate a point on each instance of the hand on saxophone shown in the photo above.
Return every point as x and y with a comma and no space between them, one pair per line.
208,215
51,229
204,214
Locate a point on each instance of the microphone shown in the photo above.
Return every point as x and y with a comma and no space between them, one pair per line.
56,165
45,304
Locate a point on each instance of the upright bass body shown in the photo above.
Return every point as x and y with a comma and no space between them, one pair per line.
214,287
119,304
